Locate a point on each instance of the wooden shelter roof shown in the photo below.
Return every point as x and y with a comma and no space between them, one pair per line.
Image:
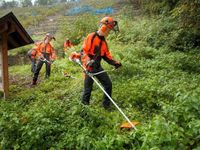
17,35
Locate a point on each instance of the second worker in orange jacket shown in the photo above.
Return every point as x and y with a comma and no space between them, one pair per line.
46,55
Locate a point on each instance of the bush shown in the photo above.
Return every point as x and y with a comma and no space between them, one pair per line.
156,85
77,29
184,39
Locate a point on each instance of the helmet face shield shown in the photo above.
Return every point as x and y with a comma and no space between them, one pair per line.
50,36
113,26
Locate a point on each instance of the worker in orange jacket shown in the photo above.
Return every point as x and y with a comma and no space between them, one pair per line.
67,44
93,50
46,55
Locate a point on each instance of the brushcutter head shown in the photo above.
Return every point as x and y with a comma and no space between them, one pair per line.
127,125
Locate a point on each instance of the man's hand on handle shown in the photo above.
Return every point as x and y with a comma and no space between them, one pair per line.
117,65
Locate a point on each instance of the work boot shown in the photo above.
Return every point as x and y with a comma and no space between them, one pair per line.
34,82
46,77
106,105
108,108
85,102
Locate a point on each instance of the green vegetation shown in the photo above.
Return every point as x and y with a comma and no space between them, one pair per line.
157,85
31,16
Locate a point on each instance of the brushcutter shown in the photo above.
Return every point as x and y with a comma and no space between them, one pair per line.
125,125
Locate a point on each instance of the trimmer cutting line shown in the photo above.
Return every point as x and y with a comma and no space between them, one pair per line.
124,125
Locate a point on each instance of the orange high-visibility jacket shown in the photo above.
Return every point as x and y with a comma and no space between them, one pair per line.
67,44
46,48
95,47
34,52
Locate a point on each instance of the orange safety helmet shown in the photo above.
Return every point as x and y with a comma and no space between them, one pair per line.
109,22
50,36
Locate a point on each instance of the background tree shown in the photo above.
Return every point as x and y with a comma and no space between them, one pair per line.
11,4
63,1
184,12
26,3
44,2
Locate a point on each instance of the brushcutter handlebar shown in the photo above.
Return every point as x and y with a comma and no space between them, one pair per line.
117,65
85,70
100,72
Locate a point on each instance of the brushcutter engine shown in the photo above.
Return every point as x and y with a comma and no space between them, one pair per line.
75,57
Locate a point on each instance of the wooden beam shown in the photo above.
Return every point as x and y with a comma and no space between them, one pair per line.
13,42
1,70
5,77
3,27
11,28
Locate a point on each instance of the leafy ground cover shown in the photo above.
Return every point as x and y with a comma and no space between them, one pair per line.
157,85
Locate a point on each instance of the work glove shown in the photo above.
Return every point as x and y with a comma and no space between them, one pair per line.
90,63
41,57
117,65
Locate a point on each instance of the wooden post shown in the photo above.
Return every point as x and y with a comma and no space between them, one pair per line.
4,52
12,35
1,63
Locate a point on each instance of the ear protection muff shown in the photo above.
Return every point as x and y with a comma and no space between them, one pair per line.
103,27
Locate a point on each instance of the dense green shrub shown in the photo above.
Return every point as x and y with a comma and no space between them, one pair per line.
184,39
158,85
77,29
181,32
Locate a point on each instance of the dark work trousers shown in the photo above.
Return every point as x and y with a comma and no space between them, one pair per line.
39,66
33,65
88,83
